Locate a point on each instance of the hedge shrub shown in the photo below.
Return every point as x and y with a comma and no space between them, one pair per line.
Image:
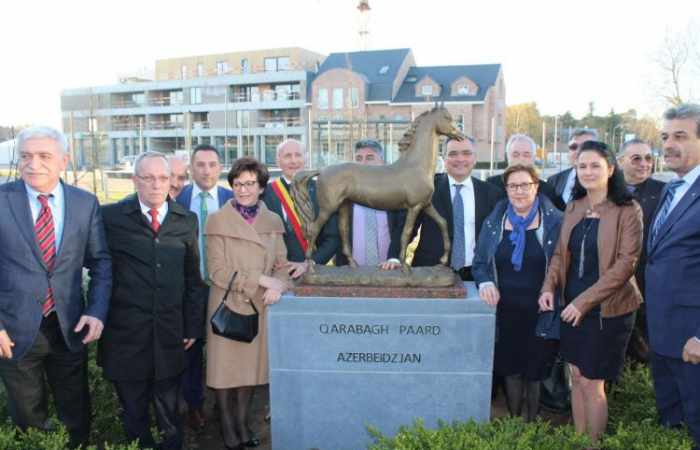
633,425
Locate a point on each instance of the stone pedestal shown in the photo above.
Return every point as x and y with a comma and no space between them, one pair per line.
338,365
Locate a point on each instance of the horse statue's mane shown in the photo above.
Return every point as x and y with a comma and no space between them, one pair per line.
410,134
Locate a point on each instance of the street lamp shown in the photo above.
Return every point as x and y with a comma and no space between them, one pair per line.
619,125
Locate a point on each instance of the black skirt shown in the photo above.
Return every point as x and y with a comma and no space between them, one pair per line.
518,351
597,346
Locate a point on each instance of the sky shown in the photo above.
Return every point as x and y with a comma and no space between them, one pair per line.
560,54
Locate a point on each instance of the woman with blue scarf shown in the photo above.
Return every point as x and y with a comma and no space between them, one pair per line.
512,252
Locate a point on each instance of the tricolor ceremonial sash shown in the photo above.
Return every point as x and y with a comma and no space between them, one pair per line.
286,201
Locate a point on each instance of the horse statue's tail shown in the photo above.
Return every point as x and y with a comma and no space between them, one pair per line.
299,191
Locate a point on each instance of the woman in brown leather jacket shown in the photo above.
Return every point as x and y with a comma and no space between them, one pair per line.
593,268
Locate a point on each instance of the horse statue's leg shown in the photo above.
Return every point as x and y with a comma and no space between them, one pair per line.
344,229
411,216
314,230
442,223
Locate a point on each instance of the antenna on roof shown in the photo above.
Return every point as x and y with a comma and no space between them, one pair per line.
363,23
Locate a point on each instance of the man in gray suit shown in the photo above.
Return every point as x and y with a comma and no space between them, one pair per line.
49,231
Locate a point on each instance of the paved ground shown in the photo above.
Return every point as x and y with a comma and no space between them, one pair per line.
210,438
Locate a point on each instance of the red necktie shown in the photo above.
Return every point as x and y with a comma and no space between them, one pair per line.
154,219
47,244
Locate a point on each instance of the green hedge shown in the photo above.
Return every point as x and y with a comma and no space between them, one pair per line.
632,426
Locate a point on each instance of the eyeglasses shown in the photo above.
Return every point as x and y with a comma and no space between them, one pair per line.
150,179
248,185
637,159
524,187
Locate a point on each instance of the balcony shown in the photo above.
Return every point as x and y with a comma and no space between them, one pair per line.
267,96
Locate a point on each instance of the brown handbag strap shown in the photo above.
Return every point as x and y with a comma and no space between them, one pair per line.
228,290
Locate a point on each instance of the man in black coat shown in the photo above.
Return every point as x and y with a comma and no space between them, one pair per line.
477,200
385,236
291,159
520,149
563,182
636,160
157,308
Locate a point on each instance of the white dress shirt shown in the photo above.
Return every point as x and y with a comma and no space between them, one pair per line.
689,179
162,211
468,200
56,205
569,186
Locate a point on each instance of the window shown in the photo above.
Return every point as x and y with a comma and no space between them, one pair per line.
282,91
139,99
270,64
176,98
354,97
283,63
340,150
221,67
196,95
245,66
338,98
426,90
323,98
183,72
463,89
200,70
176,118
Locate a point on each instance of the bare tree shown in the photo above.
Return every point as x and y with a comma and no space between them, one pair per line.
677,58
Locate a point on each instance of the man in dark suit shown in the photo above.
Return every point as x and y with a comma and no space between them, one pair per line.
672,272
157,302
49,231
636,160
375,236
203,197
464,202
291,159
563,182
520,150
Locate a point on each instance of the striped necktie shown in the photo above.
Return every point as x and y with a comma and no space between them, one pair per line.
371,237
458,240
46,237
665,209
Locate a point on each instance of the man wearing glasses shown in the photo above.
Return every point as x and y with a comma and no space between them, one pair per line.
464,202
156,312
563,182
636,161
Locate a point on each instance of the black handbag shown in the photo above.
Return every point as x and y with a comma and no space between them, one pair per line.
232,325
548,324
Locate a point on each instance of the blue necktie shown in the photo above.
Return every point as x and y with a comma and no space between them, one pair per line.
203,213
665,207
458,240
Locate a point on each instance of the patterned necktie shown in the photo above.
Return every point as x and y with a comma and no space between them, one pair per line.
203,212
371,238
47,244
665,209
155,225
458,239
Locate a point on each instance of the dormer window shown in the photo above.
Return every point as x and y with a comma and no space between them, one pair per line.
383,70
426,90
463,89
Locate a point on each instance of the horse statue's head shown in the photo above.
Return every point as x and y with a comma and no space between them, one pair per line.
442,121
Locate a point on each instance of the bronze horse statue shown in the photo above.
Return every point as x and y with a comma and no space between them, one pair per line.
405,184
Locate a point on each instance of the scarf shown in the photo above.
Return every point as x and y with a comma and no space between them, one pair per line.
517,236
248,212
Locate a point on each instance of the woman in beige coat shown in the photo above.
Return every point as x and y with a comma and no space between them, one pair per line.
246,238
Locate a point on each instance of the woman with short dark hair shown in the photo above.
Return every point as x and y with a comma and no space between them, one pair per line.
510,262
245,238
593,267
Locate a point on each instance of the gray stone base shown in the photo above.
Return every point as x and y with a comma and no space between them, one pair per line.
339,365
